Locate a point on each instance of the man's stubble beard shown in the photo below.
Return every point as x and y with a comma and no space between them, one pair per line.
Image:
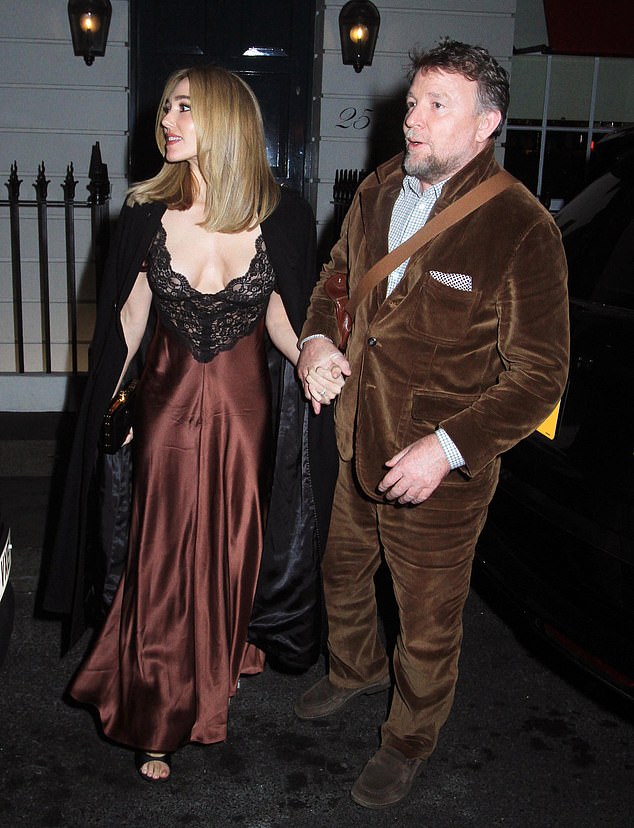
430,170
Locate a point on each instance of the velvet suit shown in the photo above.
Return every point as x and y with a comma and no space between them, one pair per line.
488,365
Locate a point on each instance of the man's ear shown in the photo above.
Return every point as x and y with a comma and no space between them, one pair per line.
489,122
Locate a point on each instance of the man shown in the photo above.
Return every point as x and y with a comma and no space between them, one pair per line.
453,359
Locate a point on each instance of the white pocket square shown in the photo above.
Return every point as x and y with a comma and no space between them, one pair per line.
458,281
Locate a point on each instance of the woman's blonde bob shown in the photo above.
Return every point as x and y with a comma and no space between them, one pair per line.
241,191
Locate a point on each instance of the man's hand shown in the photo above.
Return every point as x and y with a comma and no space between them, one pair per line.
322,370
416,471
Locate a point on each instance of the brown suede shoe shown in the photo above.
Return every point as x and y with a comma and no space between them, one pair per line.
324,699
386,779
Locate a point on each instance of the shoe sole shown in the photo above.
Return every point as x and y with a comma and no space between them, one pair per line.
371,690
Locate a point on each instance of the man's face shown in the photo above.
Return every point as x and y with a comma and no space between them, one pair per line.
443,129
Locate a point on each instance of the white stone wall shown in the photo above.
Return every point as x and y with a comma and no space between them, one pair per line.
53,107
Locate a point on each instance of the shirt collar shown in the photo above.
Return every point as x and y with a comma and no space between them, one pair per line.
410,182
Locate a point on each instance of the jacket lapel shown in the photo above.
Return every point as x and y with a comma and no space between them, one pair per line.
376,205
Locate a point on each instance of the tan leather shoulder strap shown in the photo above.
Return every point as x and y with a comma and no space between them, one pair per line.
450,215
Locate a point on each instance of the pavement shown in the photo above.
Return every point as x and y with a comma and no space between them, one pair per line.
529,743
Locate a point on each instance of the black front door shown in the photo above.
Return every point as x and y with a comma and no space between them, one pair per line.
269,44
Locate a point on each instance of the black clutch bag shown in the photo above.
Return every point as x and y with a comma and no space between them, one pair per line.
118,419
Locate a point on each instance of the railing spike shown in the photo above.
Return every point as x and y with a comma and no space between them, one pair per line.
41,184
69,184
13,184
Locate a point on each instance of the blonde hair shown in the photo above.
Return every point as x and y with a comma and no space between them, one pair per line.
241,190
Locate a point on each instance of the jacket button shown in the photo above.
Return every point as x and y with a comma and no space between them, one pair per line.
372,341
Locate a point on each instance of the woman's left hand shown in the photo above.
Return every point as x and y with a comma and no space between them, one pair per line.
324,385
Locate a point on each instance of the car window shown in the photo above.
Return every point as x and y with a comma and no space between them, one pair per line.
598,232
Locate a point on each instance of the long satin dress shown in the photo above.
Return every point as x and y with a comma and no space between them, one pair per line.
174,644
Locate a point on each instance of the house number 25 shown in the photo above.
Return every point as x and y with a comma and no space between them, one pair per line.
351,117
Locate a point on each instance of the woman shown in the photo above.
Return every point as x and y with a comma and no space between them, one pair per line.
220,253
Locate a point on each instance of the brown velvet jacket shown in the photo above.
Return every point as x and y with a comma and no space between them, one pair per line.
487,365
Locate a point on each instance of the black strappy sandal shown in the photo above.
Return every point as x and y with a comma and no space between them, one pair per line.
141,758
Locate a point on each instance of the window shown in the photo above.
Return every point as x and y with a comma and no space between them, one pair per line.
560,106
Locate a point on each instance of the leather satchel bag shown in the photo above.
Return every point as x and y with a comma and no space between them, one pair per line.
336,285
118,420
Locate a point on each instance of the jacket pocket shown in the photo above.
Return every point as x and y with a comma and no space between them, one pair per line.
432,408
441,314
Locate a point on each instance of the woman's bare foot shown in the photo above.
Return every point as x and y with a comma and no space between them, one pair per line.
153,766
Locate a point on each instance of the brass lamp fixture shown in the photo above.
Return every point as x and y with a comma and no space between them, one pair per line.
89,24
359,22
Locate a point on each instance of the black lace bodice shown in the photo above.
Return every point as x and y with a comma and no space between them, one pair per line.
209,322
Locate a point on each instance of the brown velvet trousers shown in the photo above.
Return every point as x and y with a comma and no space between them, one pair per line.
429,552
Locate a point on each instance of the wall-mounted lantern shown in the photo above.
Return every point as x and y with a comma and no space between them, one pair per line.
359,22
89,24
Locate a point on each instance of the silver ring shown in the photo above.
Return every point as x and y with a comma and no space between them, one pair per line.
322,393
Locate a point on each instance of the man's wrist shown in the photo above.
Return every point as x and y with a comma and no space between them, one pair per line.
452,453
306,339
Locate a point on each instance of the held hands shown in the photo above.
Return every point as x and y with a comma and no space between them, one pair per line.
322,370
415,472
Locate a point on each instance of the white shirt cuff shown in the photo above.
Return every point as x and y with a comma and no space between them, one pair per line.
454,458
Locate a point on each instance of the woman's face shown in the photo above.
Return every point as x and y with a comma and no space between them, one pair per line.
178,126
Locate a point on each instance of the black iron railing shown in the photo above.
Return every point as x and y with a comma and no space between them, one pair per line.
343,190
98,204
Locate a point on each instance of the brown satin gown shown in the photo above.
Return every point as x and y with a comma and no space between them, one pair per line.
173,646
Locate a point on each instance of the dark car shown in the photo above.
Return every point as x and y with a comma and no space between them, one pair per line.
608,150
559,539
